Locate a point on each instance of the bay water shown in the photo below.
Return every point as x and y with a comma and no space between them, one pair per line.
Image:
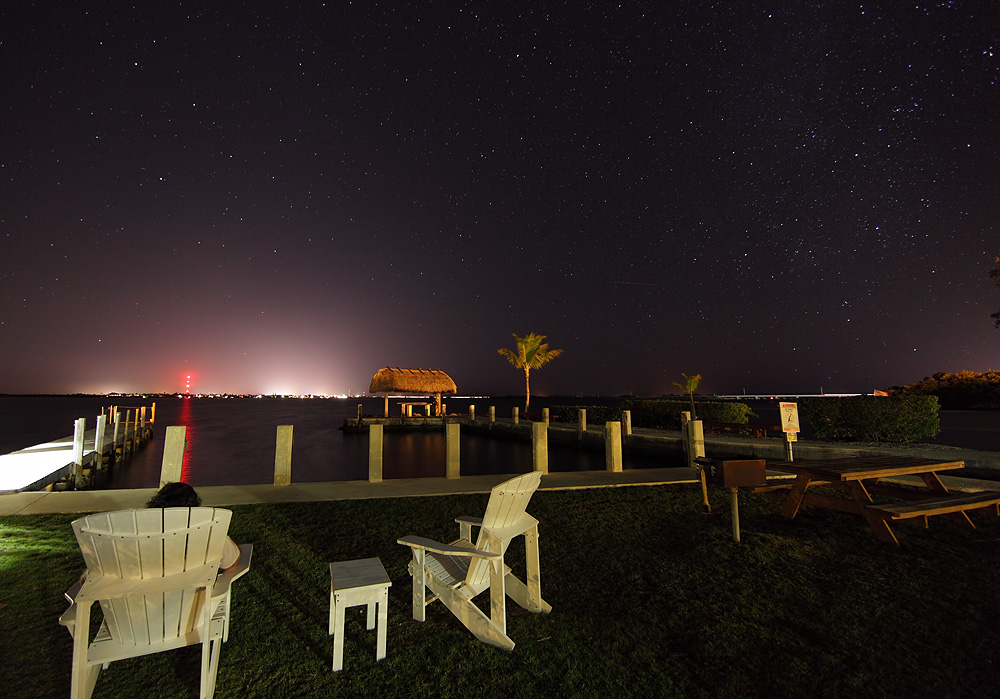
230,441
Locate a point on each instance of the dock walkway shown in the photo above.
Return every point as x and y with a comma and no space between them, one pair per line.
39,466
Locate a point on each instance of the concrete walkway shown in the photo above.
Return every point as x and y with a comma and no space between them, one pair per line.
35,503
83,501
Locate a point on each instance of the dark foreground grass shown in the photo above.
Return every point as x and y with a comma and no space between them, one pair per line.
650,598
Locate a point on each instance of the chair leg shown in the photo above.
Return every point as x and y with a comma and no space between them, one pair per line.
533,570
213,671
206,648
84,676
498,603
419,591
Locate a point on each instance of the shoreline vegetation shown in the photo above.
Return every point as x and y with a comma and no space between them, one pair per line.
676,608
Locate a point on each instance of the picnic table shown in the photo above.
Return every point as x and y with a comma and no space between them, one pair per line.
860,478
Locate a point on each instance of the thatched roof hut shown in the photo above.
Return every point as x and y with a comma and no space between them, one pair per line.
420,381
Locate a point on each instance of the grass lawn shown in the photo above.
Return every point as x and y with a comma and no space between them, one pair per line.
649,598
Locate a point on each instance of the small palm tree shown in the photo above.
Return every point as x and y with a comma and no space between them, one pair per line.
531,352
689,386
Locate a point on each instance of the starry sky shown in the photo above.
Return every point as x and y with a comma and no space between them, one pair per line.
780,196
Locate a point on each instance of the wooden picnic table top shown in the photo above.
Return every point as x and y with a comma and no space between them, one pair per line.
864,467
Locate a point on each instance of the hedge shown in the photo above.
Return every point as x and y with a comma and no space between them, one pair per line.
661,414
872,418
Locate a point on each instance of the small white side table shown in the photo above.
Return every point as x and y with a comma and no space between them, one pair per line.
352,584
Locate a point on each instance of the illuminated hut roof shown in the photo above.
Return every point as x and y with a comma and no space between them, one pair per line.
433,381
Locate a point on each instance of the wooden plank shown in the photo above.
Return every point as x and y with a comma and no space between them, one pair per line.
858,468
939,506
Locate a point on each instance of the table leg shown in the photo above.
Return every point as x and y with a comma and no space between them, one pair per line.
338,635
371,616
878,524
934,483
383,622
795,494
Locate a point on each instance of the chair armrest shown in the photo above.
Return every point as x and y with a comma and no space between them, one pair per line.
72,592
233,572
419,542
474,521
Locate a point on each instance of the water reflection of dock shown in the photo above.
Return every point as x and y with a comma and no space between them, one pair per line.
78,460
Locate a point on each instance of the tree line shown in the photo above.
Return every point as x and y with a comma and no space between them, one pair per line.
967,390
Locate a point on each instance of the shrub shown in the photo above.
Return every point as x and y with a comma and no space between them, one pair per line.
872,418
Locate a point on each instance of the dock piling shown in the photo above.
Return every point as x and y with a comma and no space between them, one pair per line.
613,446
452,438
540,446
283,456
375,453
173,454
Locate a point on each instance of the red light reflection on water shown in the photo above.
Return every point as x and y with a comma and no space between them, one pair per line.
184,418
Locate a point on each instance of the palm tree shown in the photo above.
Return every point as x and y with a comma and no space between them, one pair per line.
532,352
689,386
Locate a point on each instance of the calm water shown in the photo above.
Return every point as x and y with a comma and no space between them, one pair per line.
231,441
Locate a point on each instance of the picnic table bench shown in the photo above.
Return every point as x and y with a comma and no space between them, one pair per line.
929,507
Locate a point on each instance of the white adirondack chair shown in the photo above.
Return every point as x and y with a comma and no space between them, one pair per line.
456,573
152,571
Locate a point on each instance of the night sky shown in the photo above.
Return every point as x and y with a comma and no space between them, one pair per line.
782,197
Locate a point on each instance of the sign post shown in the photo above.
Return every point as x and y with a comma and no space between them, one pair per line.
790,426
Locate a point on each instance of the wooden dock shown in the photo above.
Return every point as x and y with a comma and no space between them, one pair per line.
72,462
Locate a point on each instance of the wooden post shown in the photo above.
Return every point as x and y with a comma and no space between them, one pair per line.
472,413
540,446
734,506
581,423
386,413
493,414
102,421
283,456
789,438
452,438
79,430
142,421
545,415
693,438
515,415
613,446
360,411
114,437
152,414
375,453
126,440
173,454
627,423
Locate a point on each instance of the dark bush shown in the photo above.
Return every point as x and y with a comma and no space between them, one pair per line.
872,418
596,414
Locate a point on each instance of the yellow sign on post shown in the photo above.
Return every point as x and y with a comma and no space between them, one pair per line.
790,426
789,417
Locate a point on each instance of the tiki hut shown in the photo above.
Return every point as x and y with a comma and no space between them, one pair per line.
412,381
